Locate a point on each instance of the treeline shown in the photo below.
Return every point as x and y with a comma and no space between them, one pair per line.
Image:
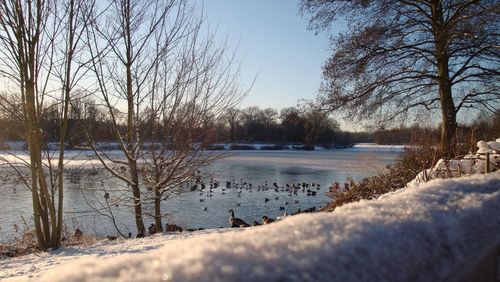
85,116
485,127
251,124
289,125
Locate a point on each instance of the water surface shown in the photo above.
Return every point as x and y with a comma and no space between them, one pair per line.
85,206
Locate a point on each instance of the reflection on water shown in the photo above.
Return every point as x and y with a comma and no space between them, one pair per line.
85,205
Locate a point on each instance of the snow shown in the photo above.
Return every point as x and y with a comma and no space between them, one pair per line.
429,232
471,163
378,146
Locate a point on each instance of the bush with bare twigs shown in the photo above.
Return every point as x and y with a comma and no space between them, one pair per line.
411,161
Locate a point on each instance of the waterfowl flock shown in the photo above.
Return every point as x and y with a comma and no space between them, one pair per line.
291,189
239,191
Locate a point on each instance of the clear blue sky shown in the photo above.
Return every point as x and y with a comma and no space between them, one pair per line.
273,44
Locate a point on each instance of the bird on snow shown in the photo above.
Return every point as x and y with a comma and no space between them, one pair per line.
78,234
236,222
255,223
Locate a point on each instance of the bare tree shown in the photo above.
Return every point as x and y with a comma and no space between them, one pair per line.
398,57
234,121
38,42
155,69
194,84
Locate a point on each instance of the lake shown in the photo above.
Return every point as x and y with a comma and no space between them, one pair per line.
85,206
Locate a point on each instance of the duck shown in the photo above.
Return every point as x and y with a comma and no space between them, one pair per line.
152,229
78,234
236,222
255,223
267,220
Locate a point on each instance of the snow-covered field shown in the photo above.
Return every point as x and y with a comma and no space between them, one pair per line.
432,232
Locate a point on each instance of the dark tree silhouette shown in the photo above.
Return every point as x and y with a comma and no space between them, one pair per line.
398,57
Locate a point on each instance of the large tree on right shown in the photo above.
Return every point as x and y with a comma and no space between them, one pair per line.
397,57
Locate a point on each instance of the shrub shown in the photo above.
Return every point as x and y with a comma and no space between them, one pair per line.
216,147
4,146
411,161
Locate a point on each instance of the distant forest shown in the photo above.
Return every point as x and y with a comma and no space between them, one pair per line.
251,125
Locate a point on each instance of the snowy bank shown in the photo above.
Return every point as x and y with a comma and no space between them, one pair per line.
485,159
437,231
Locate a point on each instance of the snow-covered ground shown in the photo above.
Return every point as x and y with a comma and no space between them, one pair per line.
432,232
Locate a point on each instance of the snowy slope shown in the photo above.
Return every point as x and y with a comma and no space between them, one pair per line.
429,232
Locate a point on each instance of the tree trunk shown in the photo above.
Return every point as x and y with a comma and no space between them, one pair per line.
139,222
448,125
64,127
39,213
448,112
159,224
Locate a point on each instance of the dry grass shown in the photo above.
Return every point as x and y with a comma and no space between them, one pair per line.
26,244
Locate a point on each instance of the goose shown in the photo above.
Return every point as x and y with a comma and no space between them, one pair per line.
267,220
236,222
